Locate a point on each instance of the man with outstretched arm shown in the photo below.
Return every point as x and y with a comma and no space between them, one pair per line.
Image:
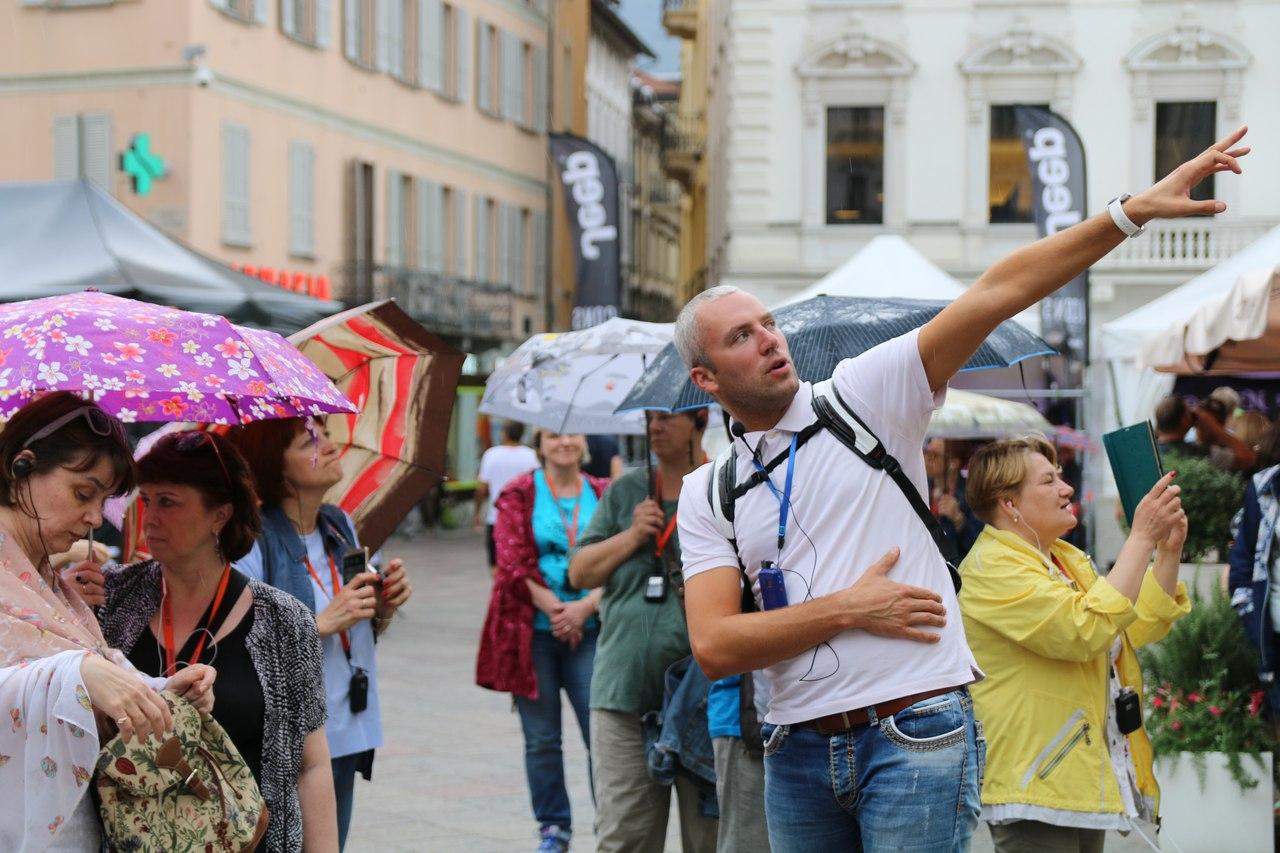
870,737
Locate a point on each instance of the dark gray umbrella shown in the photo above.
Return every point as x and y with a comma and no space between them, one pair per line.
65,236
824,330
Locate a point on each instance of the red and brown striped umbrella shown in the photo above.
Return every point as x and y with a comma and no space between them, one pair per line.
404,380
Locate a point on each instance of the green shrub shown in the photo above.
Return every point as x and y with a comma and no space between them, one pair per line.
1210,497
1202,690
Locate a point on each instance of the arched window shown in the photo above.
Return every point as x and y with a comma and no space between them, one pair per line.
853,89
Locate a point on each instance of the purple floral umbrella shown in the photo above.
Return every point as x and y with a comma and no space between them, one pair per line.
145,362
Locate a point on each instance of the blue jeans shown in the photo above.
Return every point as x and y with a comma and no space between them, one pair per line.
557,668
344,783
908,782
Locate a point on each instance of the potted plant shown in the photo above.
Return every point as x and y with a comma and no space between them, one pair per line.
1210,497
1212,739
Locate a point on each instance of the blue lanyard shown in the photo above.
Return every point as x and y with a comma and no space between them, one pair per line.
784,497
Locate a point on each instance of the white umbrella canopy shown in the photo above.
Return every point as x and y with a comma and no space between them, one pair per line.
969,415
572,382
1237,332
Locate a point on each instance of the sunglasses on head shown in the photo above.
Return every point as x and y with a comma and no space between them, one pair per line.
192,440
99,422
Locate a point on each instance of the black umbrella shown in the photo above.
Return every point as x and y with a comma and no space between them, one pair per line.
823,331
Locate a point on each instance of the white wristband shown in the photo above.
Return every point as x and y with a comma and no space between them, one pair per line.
1121,219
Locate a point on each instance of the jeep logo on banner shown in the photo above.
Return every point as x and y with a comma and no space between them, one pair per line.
590,181
1056,158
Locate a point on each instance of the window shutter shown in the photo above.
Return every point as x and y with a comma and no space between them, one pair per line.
289,18
481,206
431,40
459,232
235,185
514,256
425,223
462,54
566,76
66,148
351,29
260,11
539,89
484,68
520,263
224,5
382,35
395,221
396,38
539,252
301,201
95,141
507,76
324,23
503,272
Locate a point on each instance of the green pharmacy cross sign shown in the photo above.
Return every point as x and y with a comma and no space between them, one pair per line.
140,164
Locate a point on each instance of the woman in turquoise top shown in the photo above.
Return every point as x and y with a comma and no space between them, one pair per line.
540,634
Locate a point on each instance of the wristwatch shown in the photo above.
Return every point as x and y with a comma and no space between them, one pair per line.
1122,221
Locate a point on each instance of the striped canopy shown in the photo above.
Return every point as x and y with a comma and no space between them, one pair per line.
403,380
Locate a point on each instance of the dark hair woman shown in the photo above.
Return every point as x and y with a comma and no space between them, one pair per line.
188,605
63,691
301,547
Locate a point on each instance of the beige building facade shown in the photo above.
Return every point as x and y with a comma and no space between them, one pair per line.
393,147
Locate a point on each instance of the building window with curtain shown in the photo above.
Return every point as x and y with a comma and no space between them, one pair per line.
1009,191
855,165
242,10
306,21
360,33
82,148
1183,130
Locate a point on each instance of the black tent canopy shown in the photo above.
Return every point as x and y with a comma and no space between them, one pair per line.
64,236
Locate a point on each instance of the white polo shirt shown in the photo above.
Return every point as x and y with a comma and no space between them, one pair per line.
844,517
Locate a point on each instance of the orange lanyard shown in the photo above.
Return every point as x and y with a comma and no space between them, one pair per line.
665,536
166,623
337,585
570,533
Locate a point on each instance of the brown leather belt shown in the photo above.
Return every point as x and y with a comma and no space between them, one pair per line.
833,724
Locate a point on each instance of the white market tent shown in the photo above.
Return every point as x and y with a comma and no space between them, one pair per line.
890,266
1135,390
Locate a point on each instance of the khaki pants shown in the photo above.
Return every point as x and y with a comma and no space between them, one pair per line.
631,808
740,790
1032,836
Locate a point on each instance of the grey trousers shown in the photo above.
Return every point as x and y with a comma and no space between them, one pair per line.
631,808
740,790
1032,836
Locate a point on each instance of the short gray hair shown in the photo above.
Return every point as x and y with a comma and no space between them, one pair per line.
689,334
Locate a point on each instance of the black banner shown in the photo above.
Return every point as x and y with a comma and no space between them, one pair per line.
590,180
1056,158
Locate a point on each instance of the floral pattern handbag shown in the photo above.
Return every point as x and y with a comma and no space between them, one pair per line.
193,792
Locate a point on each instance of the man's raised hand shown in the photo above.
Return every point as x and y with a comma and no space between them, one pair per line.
1170,198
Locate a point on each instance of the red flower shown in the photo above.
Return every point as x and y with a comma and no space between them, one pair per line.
126,767
1255,703
1157,702
173,406
162,336
1215,710
1194,698
1176,726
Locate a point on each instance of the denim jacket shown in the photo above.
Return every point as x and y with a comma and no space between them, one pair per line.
677,738
1250,566
283,550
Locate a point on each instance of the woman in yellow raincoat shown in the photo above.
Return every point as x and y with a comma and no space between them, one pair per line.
1061,703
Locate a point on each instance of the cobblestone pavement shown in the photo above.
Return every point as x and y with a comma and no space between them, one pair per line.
451,776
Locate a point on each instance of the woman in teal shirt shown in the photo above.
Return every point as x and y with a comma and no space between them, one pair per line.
540,634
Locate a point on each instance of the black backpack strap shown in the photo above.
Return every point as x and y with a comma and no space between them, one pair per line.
837,416
748,720
721,489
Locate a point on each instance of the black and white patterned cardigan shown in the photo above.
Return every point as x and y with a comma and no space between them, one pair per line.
285,650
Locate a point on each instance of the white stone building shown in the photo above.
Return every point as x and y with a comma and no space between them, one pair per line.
831,121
